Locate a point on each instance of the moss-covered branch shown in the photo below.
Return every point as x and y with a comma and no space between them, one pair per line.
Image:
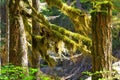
74,39
74,36
79,18
57,32
71,43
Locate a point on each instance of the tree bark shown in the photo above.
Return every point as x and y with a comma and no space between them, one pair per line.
35,30
101,42
14,51
18,43
23,46
3,26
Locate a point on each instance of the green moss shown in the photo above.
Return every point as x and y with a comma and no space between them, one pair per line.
77,16
74,36
54,2
102,6
56,33
69,42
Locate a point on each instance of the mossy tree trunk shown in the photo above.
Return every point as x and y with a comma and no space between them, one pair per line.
101,42
35,31
3,32
14,51
18,44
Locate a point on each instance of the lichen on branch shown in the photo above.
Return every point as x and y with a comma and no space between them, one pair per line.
79,18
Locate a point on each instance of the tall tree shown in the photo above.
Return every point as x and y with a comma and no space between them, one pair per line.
35,57
101,40
18,44
3,26
101,33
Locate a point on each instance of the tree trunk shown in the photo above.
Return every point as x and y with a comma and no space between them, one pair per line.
18,43
35,31
3,16
101,42
3,26
23,46
14,51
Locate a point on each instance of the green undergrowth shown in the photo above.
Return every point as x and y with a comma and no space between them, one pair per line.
11,72
114,76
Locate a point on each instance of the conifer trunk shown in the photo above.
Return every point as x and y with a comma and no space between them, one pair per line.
14,51
3,32
101,42
35,30
18,44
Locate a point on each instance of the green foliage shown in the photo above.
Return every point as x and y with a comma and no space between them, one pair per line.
11,72
116,39
2,2
42,0
115,32
116,6
100,72
83,1
61,19
43,77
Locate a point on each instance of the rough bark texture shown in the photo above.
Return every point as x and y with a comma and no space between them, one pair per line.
18,43
3,35
14,51
35,30
102,42
3,16
23,44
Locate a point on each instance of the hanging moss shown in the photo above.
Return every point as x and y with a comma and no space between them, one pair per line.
102,6
74,36
83,48
54,2
71,36
79,18
53,33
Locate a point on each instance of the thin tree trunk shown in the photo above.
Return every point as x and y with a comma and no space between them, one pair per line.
102,42
3,32
23,46
7,30
35,31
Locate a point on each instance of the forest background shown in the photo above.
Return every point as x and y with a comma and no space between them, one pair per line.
41,34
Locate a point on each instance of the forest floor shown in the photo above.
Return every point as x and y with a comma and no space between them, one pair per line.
76,69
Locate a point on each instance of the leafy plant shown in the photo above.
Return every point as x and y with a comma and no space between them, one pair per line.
11,72
99,72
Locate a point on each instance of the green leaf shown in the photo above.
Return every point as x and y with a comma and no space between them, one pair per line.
83,1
